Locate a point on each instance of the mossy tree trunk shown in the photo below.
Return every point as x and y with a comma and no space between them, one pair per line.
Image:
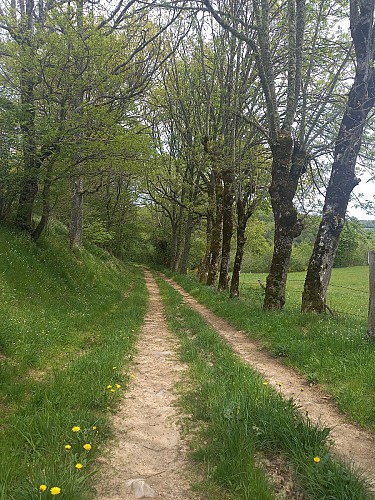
287,166
227,216
76,216
361,100
216,234
241,240
31,163
246,205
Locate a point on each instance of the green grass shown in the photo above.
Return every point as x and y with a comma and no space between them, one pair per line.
68,322
334,352
234,417
347,295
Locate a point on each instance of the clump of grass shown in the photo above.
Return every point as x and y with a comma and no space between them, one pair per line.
66,346
241,415
330,351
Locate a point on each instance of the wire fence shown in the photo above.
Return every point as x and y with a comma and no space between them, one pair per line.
356,305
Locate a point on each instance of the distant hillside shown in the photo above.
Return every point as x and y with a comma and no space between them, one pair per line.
368,224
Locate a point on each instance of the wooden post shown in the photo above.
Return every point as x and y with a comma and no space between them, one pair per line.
371,307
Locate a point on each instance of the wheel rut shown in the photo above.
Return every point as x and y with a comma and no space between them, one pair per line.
147,458
350,443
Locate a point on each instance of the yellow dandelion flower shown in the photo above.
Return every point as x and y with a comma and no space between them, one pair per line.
55,490
68,447
265,383
76,428
78,466
132,375
109,386
113,390
43,487
114,367
316,460
93,427
87,446
118,386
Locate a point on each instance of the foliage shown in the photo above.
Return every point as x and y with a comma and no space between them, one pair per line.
353,245
352,251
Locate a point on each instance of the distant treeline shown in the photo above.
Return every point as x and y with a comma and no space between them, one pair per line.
368,224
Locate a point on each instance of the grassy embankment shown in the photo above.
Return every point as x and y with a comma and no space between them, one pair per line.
237,418
68,322
332,351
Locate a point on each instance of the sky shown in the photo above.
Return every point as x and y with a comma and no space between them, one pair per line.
368,190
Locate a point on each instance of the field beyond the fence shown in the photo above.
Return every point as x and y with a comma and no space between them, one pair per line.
348,292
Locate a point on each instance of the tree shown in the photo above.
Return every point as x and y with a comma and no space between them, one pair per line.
285,67
361,100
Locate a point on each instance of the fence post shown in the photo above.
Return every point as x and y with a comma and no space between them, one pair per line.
371,307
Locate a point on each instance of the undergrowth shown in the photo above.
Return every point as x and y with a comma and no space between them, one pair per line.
68,322
238,415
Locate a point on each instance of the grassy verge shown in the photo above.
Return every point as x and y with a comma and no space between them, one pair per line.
239,416
330,351
67,329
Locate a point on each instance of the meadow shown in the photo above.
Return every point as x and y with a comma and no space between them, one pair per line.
347,294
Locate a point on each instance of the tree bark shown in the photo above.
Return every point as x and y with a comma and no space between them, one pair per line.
227,228
287,166
76,220
241,240
177,240
186,252
216,233
46,210
361,100
29,186
205,262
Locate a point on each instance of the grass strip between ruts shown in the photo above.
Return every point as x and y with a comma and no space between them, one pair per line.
239,416
333,352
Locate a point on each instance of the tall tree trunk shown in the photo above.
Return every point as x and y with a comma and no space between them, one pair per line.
342,181
76,220
46,210
227,228
177,240
187,242
216,233
205,262
287,166
29,186
241,240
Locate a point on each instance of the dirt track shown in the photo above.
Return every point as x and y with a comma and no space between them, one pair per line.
148,457
148,454
350,442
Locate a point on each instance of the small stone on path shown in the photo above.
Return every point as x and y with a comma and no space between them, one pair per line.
139,488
